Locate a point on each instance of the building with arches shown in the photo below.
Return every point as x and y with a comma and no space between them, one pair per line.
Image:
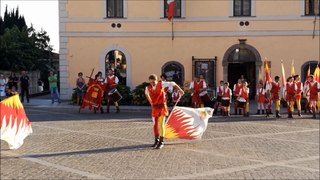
221,40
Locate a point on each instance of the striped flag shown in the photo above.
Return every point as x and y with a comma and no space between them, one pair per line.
292,69
316,73
15,126
267,72
187,123
170,9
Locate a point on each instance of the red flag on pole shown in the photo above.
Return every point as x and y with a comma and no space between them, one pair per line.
267,72
170,9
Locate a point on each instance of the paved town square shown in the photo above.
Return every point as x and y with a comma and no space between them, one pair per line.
66,144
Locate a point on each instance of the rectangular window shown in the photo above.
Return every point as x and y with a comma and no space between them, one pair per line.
114,8
177,9
311,7
241,7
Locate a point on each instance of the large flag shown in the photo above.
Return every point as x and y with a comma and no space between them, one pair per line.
316,73
170,9
15,126
283,75
187,123
267,72
94,94
292,69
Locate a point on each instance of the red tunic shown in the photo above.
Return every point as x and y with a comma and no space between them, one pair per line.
158,98
261,96
197,86
226,94
313,91
244,94
275,91
111,81
237,89
298,92
290,92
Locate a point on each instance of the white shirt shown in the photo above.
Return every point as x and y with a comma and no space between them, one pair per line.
164,85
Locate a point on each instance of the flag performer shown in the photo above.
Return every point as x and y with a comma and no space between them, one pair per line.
306,92
314,87
274,88
299,84
111,82
289,93
157,99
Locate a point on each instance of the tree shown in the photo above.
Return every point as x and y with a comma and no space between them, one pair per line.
21,47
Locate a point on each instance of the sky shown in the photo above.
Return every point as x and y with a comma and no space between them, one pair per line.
42,14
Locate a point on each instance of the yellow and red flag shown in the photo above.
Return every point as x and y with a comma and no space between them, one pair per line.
15,125
94,94
316,73
187,123
292,69
267,72
283,75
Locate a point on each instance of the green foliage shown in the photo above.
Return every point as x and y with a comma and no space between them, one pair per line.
21,48
138,95
125,93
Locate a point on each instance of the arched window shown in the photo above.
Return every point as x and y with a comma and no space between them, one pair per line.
116,61
174,72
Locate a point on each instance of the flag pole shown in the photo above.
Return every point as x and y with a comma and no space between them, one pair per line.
174,107
172,32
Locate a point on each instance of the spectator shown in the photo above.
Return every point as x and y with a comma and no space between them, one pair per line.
40,85
53,85
24,85
2,87
80,87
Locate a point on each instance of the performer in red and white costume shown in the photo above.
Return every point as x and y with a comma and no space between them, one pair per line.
196,87
261,93
299,84
289,94
244,94
219,93
226,99
112,82
156,97
236,91
314,88
274,88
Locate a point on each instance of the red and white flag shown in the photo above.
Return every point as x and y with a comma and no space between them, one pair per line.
15,126
187,123
170,9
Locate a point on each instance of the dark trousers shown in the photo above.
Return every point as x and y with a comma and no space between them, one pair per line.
24,91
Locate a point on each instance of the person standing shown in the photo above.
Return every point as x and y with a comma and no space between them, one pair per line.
112,82
13,81
196,87
219,93
2,87
80,83
156,96
236,91
226,99
261,93
289,94
314,88
24,85
99,80
299,84
274,88
53,85
244,95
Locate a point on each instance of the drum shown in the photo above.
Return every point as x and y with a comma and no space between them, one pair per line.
206,100
225,102
241,102
115,95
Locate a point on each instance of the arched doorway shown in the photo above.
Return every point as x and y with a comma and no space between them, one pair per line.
305,68
116,60
242,60
174,72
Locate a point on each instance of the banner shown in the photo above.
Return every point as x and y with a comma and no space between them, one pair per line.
94,94
15,125
187,123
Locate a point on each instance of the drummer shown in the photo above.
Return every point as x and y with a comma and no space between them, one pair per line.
244,98
112,82
226,98
219,92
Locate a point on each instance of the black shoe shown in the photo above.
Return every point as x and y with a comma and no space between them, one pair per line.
101,110
258,112
108,111
314,116
160,145
156,142
118,110
299,114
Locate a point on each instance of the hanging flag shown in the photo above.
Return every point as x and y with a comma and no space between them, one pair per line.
267,72
15,125
292,69
316,74
187,123
283,75
170,9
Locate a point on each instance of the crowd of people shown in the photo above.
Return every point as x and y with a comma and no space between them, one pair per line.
266,94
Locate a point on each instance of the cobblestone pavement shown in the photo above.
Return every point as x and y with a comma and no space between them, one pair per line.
66,144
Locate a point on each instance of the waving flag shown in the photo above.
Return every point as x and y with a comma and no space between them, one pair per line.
170,9
283,75
316,74
15,126
267,72
292,69
187,123
94,94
